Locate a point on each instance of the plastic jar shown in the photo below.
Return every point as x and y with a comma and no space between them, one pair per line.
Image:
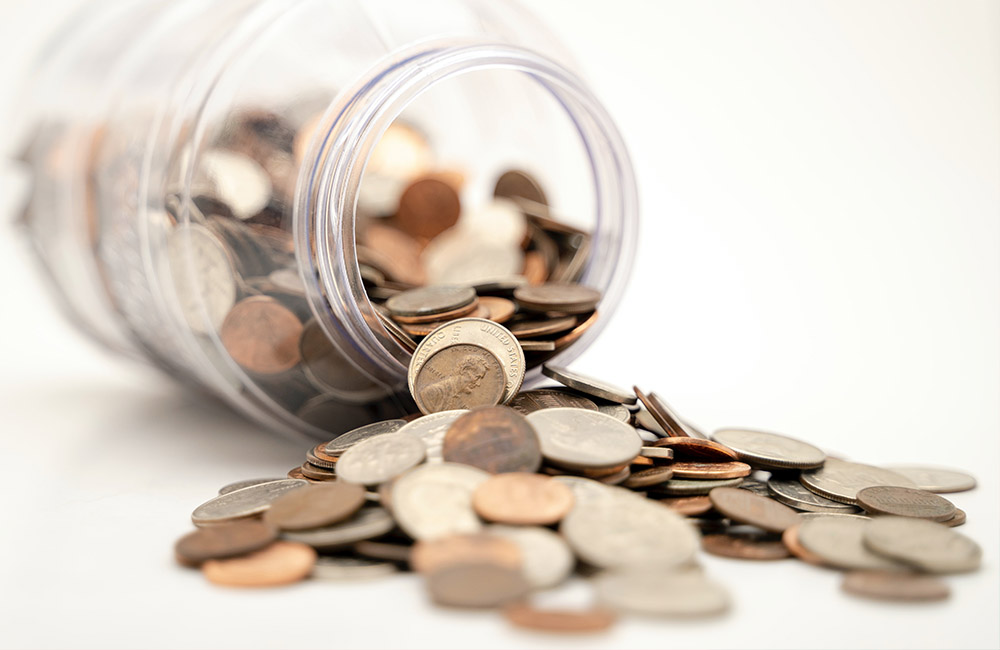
137,106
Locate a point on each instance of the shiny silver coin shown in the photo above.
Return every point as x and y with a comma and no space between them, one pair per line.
236,180
350,568
839,541
244,502
589,385
342,443
841,480
369,522
584,439
659,592
936,479
617,411
546,558
770,450
427,301
929,546
692,487
381,458
432,501
431,429
239,485
645,420
203,276
792,493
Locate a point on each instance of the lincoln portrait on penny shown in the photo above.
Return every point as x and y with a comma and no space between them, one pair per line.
443,394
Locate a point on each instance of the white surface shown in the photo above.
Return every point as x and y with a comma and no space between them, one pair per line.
820,256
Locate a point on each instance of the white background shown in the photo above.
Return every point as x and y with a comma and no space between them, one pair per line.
820,255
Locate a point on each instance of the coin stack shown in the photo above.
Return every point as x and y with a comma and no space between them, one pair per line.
496,504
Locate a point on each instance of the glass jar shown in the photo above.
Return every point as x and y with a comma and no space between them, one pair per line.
192,159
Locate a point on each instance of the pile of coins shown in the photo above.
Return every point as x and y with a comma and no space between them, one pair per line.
497,504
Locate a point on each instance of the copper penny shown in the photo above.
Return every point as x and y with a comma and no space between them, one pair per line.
690,506
662,414
496,439
280,563
423,329
647,477
515,184
315,506
701,470
428,556
688,448
749,508
478,584
574,334
530,401
461,376
527,616
316,473
643,461
224,540
428,207
317,456
559,297
530,328
790,538
501,310
905,502
262,335
471,310
522,499
895,585
393,252
296,472
745,546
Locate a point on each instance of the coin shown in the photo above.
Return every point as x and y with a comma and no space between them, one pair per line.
662,414
459,377
428,207
749,508
617,411
693,487
926,545
384,551
331,372
279,563
936,479
581,439
659,592
538,346
431,429
759,488
661,453
380,458
239,485
436,500
546,559
690,506
838,541
530,401
770,450
905,502
790,538
895,585
500,309
350,568
690,469
369,522
342,443
204,279
957,519
430,555
315,506
496,439
745,546
647,477
645,420
526,328
515,184
223,540
317,473
841,480
523,499
262,335
430,300
244,502
559,297
318,456
593,619
589,385
688,448
477,584
792,493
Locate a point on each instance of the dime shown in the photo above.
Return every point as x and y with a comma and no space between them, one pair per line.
380,458
647,477
749,508
342,443
582,439
477,584
594,619
279,563
496,439
523,499
838,540
245,502
745,546
905,502
431,429
792,493
895,585
431,300
841,480
770,450
546,558
262,335
936,479
430,555
589,385
350,568
529,401
459,376
659,592
525,328
688,448
690,506
367,523
428,207
692,487
662,414
436,500
239,485
223,540
500,309
559,297
927,545
315,506
514,184
697,470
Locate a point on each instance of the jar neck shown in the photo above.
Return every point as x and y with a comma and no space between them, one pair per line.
328,187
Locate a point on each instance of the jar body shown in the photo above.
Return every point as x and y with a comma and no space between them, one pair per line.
193,161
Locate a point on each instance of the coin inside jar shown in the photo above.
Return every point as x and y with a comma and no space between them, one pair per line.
428,207
262,335
560,297
523,499
430,300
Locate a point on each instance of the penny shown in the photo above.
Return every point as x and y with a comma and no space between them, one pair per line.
926,545
659,592
749,508
748,546
957,519
792,493
687,448
905,502
841,480
560,297
647,477
436,500
690,469
529,401
529,328
380,458
317,473
936,479
350,568
589,385
694,487
367,523
574,334
662,414
318,456
594,619
239,485
280,563
430,555
839,542
790,538
584,439
617,477
895,585
617,411
518,184
424,325
428,207
393,252
459,377
431,429
262,335
223,540
690,506
384,551
500,309
296,473
546,559
477,584
244,502
315,506
770,450
522,499
495,439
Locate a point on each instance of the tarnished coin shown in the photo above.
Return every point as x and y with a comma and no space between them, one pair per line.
617,411
459,377
522,499
690,469
245,502
431,300
841,480
430,555
927,545
350,568
332,373
280,563
367,523
317,473
647,477
691,487
936,479
559,297
223,540
905,502
529,401
662,414
342,443
479,584
839,541
584,439
589,385
380,458
688,448
658,592
262,335
770,450
895,585
689,506
749,508
427,207
546,558
239,485
792,493
431,429
745,546
432,501
514,184
594,619
315,506
496,439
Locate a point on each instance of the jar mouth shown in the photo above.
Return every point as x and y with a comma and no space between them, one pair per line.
328,190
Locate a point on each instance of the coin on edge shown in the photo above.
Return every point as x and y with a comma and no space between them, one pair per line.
588,385
460,376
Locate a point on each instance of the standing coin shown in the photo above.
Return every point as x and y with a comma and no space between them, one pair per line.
895,585
496,439
523,499
749,508
223,540
589,385
529,401
546,557
246,502
584,439
278,564
459,377
262,335
342,443
203,276
770,450
936,479
905,502
687,448
664,416
381,458
479,584
839,541
560,297
792,493
927,545
432,501
841,480
315,506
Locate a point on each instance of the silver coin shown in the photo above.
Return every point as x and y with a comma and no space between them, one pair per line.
342,443
431,429
239,485
237,180
350,568
617,411
398,332
936,479
369,522
658,592
763,449
432,501
329,371
474,262
244,502
587,489
692,487
756,486
584,439
204,279
839,541
380,458
927,545
820,515
645,420
792,493
430,300
841,480
547,559
625,531
479,332
529,401
589,385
